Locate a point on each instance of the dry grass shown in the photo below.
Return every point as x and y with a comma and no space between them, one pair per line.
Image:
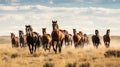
70,57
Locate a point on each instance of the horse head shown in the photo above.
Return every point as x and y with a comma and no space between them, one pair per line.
108,32
28,30
44,31
21,33
12,35
81,33
55,25
96,32
74,31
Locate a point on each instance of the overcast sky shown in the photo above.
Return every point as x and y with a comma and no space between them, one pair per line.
83,15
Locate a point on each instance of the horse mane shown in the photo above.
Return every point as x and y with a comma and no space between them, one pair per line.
48,34
61,30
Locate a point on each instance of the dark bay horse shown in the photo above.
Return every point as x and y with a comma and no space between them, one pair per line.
32,39
106,38
96,39
22,39
14,40
57,37
46,40
68,38
76,38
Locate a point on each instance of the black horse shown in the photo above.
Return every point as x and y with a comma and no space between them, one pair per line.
32,39
106,38
96,39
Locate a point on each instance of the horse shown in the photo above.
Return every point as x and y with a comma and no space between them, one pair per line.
76,38
22,39
96,39
106,38
86,39
68,38
57,37
32,39
82,39
14,40
46,40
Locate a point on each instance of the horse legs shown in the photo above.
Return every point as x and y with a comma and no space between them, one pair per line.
56,47
97,45
32,48
29,48
35,47
49,46
107,44
17,44
53,46
75,45
13,45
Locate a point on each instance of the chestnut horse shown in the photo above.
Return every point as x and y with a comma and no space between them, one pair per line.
22,39
96,39
46,40
14,40
57,37
76,38
106,38
32,39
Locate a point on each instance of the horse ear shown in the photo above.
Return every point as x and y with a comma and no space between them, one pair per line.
25,25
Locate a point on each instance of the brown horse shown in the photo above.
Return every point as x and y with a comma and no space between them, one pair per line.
106,38
32,39
82,39
46,40
76,38
96,39
14,40
57,37
86,39
68,38
22,39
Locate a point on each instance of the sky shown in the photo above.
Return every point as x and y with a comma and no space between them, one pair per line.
83,15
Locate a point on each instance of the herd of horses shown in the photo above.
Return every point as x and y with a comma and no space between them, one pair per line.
55,40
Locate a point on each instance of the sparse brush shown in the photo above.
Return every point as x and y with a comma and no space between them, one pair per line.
71,65
85,64
35,55
48,65
110,53
14,55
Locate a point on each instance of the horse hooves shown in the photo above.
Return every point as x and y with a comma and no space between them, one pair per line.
55,52
31,52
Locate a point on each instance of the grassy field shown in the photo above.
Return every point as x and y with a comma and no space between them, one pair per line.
70,57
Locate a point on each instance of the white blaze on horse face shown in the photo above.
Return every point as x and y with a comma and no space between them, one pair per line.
27,31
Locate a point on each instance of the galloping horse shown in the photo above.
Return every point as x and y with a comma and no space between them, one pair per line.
32,39
14,40
96,39
106,38
46,40
82,39
86,39
68,38
22,39
57,37
76,38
